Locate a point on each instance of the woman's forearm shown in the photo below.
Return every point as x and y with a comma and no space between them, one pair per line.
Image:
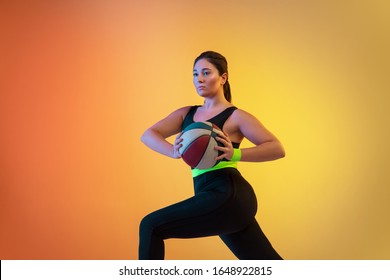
265,152
155,141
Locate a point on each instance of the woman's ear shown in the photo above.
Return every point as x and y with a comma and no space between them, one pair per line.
224,77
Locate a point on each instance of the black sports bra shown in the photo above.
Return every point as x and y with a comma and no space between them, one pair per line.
219,120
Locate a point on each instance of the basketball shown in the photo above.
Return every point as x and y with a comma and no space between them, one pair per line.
198,144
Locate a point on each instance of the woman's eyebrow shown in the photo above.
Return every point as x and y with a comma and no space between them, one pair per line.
202,69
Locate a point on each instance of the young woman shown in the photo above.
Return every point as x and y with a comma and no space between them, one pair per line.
224,203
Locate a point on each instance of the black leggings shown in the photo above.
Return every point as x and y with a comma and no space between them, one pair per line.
224,204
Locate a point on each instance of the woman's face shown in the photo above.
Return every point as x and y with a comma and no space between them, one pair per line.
207,80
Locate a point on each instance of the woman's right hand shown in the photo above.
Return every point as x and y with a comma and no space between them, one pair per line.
176,146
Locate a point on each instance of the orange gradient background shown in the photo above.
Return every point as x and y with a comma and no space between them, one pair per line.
81,80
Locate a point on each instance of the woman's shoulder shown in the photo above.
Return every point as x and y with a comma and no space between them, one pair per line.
187,108
239,112
183,111
242,116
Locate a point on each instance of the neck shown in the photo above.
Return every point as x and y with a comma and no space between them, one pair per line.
215,101
212,103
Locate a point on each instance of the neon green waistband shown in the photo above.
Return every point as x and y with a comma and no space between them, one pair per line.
223,164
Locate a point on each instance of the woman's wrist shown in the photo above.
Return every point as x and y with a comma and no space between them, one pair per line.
236,155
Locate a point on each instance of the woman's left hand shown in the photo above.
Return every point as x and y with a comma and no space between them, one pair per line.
227,150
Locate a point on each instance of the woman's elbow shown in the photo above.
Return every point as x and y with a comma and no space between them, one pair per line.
144,136
281,151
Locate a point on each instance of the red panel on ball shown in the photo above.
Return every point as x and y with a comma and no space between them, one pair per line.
195,151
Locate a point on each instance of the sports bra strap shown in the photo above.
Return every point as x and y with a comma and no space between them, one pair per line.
189,118
220,119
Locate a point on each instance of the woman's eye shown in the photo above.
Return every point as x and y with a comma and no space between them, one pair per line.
206,73
195,74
